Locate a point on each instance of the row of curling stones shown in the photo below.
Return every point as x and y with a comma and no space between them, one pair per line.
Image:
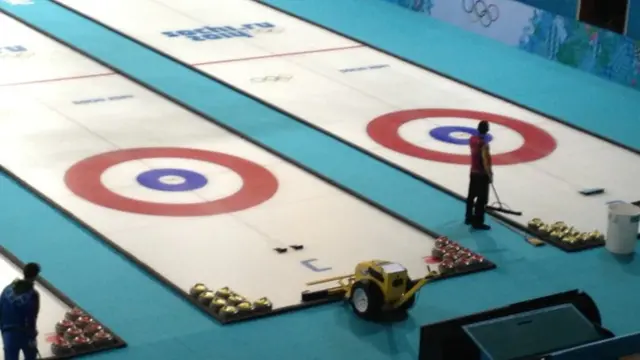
454,257
78,332
559,231
228,304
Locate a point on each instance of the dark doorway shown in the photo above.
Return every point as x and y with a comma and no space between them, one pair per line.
607,14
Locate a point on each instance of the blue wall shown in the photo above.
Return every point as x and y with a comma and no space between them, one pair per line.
566,8
633,23
569,9
544,33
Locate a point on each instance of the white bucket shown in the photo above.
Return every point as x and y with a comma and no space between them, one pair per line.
622,229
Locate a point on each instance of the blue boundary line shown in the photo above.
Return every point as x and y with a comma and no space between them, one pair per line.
142,308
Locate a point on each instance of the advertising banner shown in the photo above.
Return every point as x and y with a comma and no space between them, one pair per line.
554,37
633,19
566,8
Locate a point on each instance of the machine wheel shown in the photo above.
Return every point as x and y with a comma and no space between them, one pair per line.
366,299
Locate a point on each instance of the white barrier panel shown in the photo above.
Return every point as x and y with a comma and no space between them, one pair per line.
622,229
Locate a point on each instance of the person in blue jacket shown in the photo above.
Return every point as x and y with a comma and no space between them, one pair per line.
19,308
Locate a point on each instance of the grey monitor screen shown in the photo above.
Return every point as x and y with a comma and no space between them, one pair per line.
533,333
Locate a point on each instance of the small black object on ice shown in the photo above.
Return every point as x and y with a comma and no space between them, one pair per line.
592,191
281,250
297,247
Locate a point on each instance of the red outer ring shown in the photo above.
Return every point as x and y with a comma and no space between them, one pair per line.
83,179
384,130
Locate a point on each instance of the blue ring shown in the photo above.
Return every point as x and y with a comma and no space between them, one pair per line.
443,133
192,180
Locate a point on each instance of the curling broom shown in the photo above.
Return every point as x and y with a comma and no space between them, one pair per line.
499,206
503,208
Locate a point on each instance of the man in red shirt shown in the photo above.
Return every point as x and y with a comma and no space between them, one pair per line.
479,179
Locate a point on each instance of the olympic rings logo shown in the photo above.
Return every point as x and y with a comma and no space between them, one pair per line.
273,30
16,55
486,14
276,78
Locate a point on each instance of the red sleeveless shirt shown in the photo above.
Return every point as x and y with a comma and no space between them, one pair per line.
476,143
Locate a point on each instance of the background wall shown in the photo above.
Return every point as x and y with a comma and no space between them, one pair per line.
554,37
569,9
566,8
633,22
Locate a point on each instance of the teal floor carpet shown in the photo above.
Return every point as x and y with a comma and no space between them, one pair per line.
159,325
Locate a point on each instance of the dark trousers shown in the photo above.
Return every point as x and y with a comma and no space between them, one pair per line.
477,198
15,341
